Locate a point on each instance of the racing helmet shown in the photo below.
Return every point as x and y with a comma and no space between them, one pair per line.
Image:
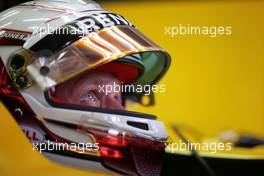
43,45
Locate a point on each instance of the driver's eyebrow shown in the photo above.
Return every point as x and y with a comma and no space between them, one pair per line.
98,82
103,82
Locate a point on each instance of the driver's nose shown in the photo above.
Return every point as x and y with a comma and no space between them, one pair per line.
110,102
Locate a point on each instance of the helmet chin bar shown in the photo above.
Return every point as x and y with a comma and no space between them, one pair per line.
134,126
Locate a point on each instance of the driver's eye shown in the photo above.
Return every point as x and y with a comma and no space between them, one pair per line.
89,96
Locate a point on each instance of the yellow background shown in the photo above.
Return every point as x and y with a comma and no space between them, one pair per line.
213,83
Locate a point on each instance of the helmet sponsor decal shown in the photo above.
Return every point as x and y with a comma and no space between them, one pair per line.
33,135
13,37
98,21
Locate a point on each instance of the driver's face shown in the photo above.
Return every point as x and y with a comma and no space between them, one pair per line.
85,90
